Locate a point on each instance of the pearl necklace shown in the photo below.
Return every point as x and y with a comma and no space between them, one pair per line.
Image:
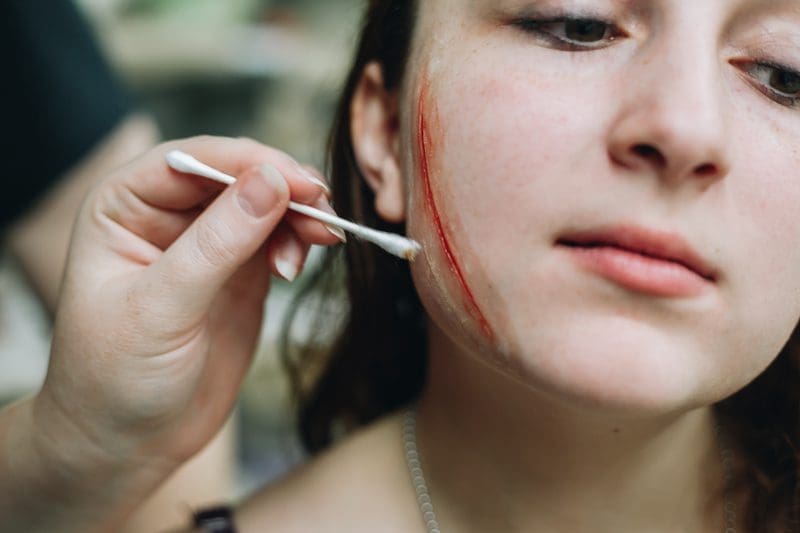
415,469
426,506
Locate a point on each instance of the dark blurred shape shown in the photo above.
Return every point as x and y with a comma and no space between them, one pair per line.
59,98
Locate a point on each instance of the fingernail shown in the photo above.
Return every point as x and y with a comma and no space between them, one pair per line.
323,205
289,259
258,194
338,233
287,269
311,177
315,180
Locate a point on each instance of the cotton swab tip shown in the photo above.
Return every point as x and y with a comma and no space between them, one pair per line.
413,250
400,246
181,161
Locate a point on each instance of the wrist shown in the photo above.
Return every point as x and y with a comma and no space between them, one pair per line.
60,479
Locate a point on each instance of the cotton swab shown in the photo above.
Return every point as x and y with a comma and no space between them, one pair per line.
394,244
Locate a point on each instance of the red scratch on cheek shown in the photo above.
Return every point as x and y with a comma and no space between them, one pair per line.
425,147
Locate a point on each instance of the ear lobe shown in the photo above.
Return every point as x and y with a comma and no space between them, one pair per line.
375,135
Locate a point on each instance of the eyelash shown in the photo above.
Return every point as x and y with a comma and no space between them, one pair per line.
542,28
754,68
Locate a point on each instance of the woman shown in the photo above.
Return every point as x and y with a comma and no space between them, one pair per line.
570,386
604,192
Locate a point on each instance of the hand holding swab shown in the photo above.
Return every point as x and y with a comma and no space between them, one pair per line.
394,244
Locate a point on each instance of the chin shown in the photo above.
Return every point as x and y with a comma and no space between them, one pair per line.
609,364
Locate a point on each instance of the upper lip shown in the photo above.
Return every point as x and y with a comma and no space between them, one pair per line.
651,242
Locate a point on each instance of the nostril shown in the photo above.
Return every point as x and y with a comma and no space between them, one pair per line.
708,169
650,153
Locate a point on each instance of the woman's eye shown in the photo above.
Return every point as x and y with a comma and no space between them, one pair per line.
780,83
572,33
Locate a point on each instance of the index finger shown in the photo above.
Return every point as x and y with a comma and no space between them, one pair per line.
160,186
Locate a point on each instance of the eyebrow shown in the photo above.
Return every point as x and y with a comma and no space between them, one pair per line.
773,3
767,7
739,7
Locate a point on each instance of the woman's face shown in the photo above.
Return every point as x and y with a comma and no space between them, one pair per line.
535,122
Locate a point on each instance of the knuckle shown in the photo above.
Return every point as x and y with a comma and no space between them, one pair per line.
197,142
203,139
251,146
168,145
133,211
248,142
215,244
271,153
187,144
101,203
113,199
148,315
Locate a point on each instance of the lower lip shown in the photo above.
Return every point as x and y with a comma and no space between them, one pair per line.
638,272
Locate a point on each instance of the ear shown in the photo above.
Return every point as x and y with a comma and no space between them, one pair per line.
374,127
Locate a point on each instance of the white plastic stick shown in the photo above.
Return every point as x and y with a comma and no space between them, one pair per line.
394,244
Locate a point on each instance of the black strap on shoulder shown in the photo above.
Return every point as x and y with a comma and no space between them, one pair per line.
215,520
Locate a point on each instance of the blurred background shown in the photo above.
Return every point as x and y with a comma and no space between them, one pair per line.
267,69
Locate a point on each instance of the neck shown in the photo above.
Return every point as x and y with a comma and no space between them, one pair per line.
550,466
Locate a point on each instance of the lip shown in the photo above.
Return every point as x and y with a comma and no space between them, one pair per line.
641,259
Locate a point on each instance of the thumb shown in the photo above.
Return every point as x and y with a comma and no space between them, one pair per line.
194,268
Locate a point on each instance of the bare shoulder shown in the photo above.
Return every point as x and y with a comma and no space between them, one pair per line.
361,484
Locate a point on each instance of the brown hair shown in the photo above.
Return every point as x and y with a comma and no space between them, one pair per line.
377,361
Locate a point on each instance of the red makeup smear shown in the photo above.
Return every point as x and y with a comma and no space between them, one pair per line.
426,148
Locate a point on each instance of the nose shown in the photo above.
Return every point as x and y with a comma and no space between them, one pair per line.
671,122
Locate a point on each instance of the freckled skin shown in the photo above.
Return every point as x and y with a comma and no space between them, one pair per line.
525,141
425,147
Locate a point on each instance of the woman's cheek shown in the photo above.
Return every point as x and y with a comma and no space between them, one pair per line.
431,222
766,279
497,160
470,208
